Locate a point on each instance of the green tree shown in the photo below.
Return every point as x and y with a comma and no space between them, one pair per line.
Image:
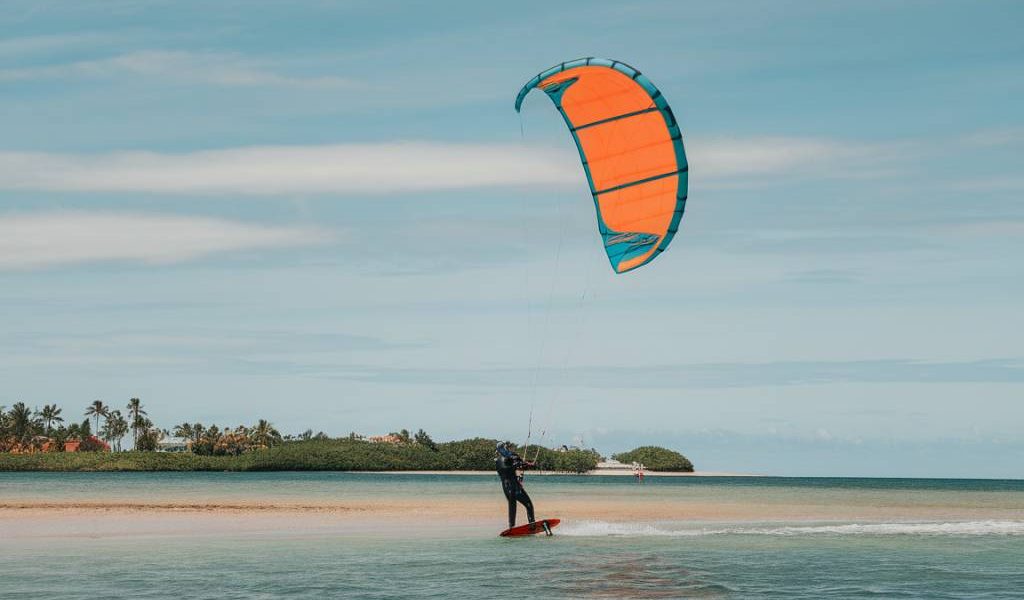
5,436
49,415
205,439
476,454
58,437
423,438
96,410
403,436
148,434
192,433
22,425
136,419
263,435
656,458
149,437
114,429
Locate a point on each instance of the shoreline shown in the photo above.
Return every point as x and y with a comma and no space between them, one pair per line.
597,472
388,518
429,507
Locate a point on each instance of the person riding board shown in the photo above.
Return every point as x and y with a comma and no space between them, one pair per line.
509,464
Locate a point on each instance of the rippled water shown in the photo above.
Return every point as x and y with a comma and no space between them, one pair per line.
979,558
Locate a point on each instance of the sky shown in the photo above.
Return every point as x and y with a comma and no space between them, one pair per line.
329,215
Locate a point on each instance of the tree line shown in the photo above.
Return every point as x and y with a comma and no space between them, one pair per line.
43,432
656,458
26,430
34,429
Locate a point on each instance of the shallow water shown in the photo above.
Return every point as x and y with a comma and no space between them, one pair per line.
335,486
899,558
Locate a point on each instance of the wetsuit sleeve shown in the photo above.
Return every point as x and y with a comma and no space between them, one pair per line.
517,461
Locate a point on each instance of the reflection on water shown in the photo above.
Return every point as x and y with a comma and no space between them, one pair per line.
735,565
632,575
976,558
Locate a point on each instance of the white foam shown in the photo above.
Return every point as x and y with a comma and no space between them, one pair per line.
953,528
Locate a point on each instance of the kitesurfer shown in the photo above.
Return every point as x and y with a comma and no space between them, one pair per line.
509,465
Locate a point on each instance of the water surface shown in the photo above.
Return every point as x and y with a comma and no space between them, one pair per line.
880,558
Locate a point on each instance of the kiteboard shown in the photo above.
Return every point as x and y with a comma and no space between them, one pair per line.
542,526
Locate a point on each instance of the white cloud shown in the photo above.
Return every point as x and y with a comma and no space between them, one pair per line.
40,240
412,166
15,46
996,137
183,67
333,169
731,160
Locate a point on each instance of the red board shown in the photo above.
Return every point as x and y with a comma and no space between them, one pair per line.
532,528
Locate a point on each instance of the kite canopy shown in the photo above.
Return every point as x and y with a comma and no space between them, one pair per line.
632,153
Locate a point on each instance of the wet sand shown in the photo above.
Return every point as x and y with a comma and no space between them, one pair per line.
96,505
597,472
384,517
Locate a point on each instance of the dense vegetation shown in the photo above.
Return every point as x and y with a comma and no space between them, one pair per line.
344,454
655,458
38,440
24,430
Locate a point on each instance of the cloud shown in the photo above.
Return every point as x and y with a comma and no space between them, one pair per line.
670,377
409,166
732,161
15,46
329,169
182,346
996,137
229,70
41,240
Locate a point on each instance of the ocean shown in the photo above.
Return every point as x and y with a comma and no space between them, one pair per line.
923,538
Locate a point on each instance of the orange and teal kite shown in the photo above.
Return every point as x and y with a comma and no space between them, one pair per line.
632,153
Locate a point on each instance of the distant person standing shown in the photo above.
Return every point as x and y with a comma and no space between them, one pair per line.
640,473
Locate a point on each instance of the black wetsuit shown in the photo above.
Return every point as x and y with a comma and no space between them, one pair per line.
507,463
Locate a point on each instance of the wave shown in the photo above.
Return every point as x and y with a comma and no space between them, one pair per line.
953,528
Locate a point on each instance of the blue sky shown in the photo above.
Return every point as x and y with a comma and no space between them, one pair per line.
328,214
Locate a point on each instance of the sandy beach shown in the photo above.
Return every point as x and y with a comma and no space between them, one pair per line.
597,472
480,509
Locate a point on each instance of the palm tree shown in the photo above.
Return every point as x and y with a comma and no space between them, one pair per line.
114,429
264,435
50,415
96,410
22,424
136,415
184,430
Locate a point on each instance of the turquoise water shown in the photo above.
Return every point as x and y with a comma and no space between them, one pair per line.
335,486
961,558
